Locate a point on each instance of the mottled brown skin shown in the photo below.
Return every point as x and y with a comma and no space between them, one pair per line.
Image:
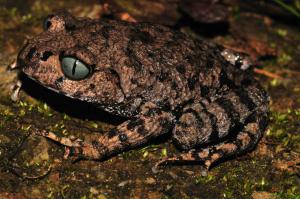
161,80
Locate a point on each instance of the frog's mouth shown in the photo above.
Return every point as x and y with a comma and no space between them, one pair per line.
29,76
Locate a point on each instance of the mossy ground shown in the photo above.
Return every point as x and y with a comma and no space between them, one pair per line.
33,167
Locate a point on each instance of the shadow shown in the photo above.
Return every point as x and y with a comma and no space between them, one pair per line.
208,30
72,107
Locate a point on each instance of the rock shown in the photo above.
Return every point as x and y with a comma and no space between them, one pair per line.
150,181
154,195
205,11
159,11
101,196
123,183
263,195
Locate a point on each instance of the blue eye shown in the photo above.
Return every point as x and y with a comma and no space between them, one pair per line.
74,69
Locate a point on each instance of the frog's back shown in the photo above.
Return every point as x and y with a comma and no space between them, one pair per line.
132,63
158,64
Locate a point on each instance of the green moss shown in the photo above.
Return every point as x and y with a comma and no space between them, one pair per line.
45,110
281,32
59,129
130,6
285,129
284,59
205,179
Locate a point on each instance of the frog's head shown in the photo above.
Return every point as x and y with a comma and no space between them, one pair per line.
60,59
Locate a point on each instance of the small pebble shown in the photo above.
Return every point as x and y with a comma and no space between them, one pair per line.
150,181
122,184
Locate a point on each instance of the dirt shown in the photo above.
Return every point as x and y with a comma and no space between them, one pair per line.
34,167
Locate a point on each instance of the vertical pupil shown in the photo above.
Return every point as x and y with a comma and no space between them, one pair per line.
74,67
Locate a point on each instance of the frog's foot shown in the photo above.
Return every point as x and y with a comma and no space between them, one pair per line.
242,142
15,91
16,87
13,65
181,157
66,141
185,157
204,156
240,60
75,148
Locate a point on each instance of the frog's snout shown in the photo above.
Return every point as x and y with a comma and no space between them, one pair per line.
20,63
21,58
25,56
30,56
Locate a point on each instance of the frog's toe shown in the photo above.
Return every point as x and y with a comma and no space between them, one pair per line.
184,158
67,153
165,161
66,141
181,158
73,154
15,91
70,152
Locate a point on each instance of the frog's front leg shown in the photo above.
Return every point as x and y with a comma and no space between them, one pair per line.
150,123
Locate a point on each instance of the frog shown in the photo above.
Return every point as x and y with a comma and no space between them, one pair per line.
161,80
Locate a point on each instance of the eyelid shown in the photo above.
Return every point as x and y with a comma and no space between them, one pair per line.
82,54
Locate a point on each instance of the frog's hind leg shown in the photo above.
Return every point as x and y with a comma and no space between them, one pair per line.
227,125
243,141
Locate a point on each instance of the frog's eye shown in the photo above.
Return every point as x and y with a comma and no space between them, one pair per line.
74,68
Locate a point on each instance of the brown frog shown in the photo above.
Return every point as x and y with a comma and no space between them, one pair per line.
162,80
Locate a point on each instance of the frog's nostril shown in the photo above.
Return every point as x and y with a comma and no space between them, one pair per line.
46,55
32,53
